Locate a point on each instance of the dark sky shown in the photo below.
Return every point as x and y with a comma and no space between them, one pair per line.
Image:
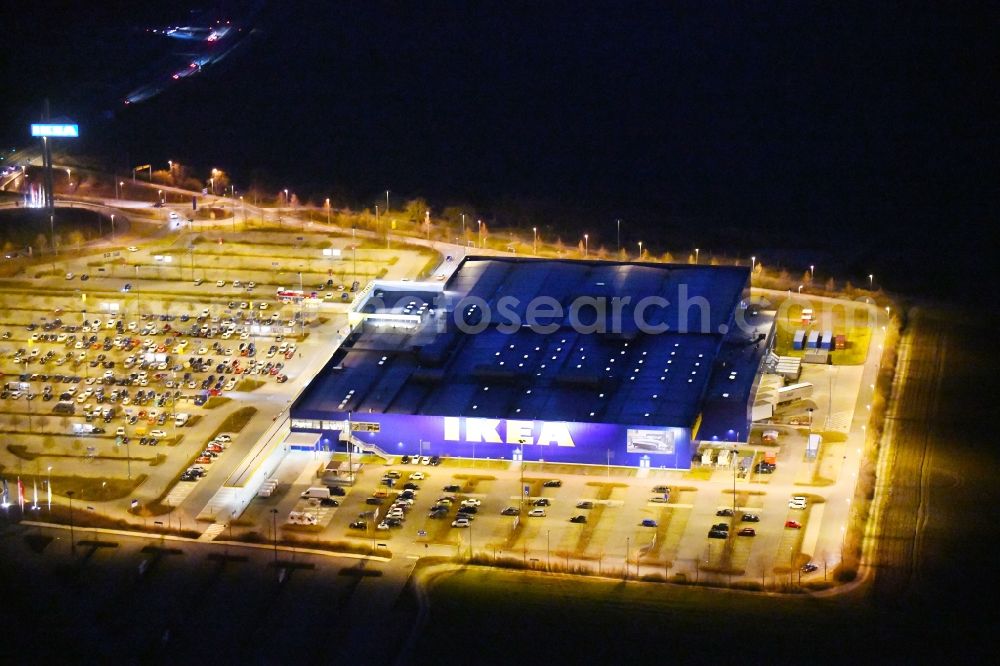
733,119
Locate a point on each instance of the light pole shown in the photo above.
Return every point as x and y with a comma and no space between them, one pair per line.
586,245
328,211
736,452
159,196
463,228
387,201
812,272
112,227
696,251
753,264
48,488
628,546
72,535
640,250
800,288
871,282
480,233
534,230
619,236
286,196
274,533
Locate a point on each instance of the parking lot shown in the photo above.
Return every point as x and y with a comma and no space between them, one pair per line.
566,520
127,364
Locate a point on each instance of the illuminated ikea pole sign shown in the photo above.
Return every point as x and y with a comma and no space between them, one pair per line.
59,130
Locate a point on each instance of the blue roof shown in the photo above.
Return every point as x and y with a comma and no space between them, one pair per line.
621,375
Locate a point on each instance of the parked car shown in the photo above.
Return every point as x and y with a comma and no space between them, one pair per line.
586,504
553,483
648,522
537,513
747,531
578,519
510,511
797,502
724,512
793,524
750,518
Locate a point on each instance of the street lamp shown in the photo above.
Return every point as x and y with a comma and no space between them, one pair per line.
640,250
286,196
480,233
753,263
586,244
812,271
112,227
387,201
871,281
800,288
328,211
696,251
619,236
534,230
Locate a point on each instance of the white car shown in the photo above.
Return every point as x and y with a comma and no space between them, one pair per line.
236,283
224,438
263,306
173,215
69,276
426,460
251,285
537,513
797,502
220,283
158,434
460,522
133,248
472,501
417,476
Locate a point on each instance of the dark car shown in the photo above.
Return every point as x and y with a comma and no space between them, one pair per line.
411,486
405,460
722,527
718,534
809,568
586,504
511,511
327,501
724,512
747,531
337,490
750,518
553,483
374,500
468,509
452,488
358,525
435,460
578,519
542,501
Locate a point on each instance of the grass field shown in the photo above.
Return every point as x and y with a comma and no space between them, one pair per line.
579,620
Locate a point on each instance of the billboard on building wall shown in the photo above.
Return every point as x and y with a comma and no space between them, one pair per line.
551,441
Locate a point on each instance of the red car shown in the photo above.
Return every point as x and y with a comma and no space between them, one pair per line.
793,524
204,460
747,531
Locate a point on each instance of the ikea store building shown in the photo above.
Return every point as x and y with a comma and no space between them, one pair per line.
583,362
